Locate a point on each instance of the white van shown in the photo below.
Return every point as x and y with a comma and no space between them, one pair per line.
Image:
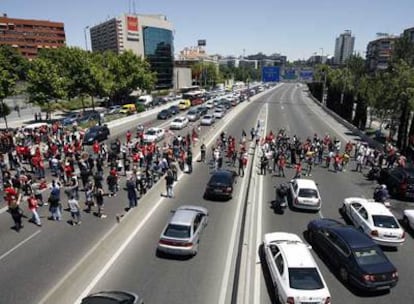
145,100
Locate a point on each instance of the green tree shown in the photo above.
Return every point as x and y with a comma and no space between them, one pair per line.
45,82
8,78
126,73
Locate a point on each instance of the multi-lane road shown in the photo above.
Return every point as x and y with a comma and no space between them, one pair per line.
60,263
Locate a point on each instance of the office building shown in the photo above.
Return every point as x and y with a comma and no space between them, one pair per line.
379,52
149,36
344,47
410,33
28,36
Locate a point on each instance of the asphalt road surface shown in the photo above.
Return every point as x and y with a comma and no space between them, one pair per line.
59,263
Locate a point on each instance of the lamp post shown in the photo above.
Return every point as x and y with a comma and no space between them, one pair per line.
86,38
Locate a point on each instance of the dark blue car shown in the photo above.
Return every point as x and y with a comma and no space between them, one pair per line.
355,256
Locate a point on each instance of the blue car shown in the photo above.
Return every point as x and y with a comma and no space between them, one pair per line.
356,258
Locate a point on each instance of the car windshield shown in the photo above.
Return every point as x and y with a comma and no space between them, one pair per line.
305,279
369,256
207,117
220,179
177,120
177,231
385,221
308,193
151,132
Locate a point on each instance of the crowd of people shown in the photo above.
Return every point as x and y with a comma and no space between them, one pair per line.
278,151
54,160
76,168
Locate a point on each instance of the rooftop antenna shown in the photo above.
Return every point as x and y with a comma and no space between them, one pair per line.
133,7
129,6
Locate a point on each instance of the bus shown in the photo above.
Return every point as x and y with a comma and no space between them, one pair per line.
196,97
190,89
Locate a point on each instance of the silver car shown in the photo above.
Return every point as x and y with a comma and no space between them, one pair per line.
181,235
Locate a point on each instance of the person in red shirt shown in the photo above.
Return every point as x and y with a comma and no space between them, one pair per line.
298,170
96,147
33,206
11,194
128,136
281,163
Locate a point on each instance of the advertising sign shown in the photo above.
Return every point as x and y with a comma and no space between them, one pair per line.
202,42
270,74
132,24
132,28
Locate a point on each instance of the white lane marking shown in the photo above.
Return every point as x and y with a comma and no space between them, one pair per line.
19,244
232,243
229,260
260,202
249,239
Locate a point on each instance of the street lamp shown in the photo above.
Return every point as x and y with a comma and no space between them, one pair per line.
86,38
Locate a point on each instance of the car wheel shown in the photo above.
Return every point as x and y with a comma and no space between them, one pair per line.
343,273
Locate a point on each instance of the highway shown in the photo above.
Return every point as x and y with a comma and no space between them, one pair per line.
59,263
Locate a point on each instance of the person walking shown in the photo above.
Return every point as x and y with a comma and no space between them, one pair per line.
131,186
169,182
74,210
33,206
298,170
263,164
99,196
242,160
54,201
189,161
16,212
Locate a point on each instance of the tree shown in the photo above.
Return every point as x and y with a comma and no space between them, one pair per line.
126,73
8,78
45,82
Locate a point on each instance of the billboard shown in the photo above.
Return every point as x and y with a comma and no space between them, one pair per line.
270,74
306,75
132,24
201,42
132,28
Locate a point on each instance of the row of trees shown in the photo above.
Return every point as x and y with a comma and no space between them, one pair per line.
388,93
70,72
207,74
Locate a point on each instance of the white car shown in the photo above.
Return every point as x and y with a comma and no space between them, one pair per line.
181,235
294,272
153,135
207,120
408,218
218,113
179,123
305,194
374,219
209,104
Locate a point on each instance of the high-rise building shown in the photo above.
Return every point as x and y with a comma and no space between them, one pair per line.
344,47
379,51
149,36
410,33
28,36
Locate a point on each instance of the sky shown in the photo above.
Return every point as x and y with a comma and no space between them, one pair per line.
295,28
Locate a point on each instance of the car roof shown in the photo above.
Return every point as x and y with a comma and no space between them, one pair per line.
222,173
306,183
116,295
295,252
353,237
183,217
376,208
